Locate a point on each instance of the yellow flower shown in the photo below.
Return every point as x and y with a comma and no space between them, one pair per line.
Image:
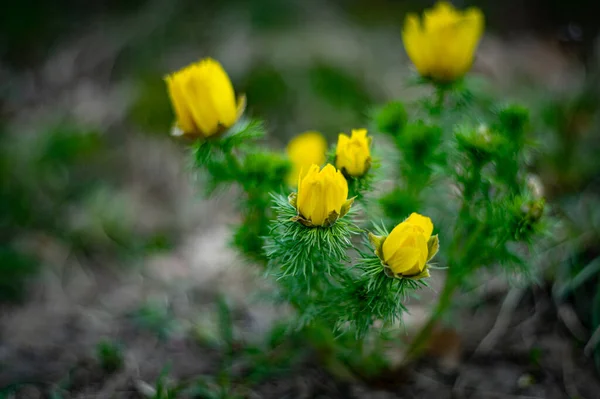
322,196
407,249
443,43
304,150
352,155
203,99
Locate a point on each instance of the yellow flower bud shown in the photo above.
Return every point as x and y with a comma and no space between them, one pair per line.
443,43
304,150
407,249
322,196
353,155
203,99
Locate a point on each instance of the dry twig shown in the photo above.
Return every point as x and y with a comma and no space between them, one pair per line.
503,320
592,343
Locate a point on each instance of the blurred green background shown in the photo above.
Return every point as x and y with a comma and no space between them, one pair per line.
78,77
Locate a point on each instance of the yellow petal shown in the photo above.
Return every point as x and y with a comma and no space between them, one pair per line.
468,35
415,44
421,245
196,89
440,16
184,117
404,260
221,93
203,98
317,208
415,269
359,134
304,150
321,192
304,184
442,47
395,239
342,188
423,222
353,152
331,193
343,140
409,255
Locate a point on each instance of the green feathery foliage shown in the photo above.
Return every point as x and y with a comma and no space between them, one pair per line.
461,162
295,249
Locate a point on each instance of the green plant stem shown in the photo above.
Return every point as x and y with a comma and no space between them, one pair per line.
234,165
440,97
419,343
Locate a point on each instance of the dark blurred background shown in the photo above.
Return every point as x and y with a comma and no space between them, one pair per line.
30,27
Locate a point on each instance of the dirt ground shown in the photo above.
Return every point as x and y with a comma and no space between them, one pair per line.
525,352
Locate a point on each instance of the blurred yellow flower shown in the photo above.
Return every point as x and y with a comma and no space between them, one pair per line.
443,43
322,196
408,248
203,99
353,155
304,150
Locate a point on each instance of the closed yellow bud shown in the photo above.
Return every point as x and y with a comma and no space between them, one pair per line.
203,99
442,45
353,154
322,196
407,249
304,150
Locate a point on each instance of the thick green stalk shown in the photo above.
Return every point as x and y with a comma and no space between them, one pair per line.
440,97
452,283
419,343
